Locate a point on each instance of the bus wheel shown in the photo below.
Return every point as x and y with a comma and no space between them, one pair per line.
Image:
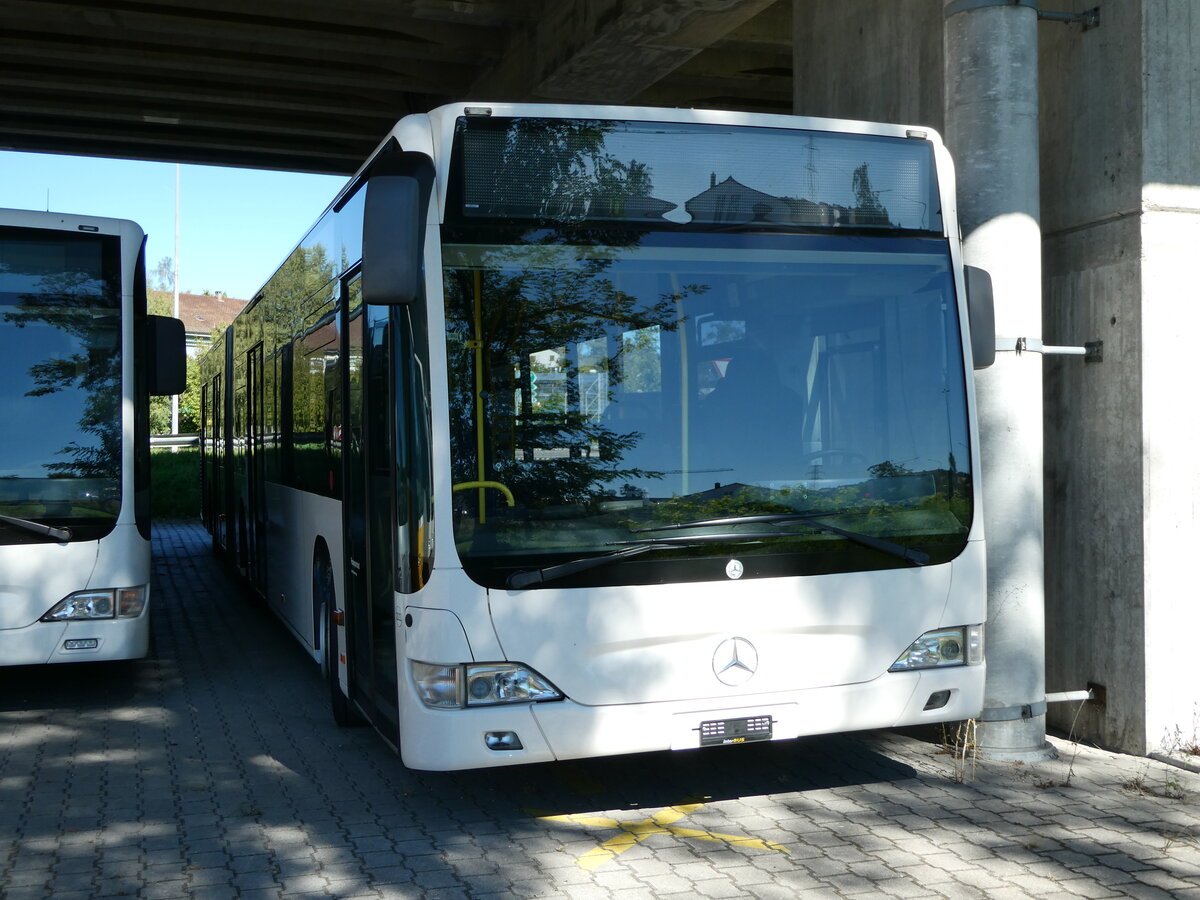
343,713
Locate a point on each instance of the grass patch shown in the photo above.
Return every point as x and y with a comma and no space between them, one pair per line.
175,483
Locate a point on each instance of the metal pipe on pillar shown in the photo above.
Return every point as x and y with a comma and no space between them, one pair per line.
991,104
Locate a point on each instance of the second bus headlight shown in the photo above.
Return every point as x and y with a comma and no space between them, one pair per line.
480,684
126,603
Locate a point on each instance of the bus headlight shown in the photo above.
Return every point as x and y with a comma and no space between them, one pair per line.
507,683
480,684
127,603
944,647
131,602
438,686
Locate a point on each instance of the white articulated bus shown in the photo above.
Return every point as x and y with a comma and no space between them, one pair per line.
79,358
571,431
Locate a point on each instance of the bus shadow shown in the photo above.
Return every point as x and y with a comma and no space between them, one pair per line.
72,686
655,780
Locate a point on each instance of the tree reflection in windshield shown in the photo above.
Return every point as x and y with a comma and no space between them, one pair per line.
60,376
607,393
634,340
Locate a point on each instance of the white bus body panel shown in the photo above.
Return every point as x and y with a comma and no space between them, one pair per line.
454,739
649,643
34,577
637,663
296,522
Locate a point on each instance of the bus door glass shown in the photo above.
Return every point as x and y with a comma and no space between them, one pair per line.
255,518
368,509
205,475
216,437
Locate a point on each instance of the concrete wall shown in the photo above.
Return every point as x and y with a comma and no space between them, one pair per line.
1170,290
1092,106
865,59
1121,217
1120,213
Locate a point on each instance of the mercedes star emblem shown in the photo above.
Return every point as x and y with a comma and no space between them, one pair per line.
735,661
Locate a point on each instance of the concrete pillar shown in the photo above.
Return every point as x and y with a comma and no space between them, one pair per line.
991,99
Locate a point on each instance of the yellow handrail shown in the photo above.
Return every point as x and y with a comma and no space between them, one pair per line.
477,341
467,485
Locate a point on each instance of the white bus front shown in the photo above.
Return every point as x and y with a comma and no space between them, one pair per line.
706,414
74,514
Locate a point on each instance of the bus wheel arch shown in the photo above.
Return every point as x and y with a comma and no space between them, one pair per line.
323,593
325,634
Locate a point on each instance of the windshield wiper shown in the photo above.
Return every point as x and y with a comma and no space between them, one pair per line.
626,549
59,534
813,520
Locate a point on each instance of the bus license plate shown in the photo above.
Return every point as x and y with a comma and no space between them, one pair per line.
735,731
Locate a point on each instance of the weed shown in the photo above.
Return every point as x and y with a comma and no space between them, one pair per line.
1183,836
965,751
1135,785
1170,789
1177,742
1074,747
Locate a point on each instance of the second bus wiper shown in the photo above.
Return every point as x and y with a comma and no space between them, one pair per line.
626,549
59,534
814,520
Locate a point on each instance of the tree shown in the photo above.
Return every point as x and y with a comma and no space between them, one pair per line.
869,210
162,278
71,303
160,303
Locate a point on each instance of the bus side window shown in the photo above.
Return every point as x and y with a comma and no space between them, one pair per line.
313,354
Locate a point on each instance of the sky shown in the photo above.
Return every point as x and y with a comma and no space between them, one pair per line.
235,225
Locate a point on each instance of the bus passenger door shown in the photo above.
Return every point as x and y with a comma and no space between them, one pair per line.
255,472
368,511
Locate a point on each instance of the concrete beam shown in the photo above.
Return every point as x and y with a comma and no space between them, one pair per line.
608,51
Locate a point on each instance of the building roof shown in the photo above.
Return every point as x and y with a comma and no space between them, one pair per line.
201,313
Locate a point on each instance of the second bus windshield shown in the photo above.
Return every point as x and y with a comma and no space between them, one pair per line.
614,390
60,381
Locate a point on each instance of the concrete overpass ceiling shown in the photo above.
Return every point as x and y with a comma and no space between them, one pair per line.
312,85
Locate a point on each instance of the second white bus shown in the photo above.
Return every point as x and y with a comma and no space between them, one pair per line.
79,359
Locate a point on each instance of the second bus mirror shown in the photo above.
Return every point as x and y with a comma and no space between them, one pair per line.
166,349
394,218
982,314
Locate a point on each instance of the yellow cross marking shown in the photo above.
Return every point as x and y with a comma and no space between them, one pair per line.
631,833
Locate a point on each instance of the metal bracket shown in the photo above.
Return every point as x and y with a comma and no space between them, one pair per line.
1013,713
1037,708
1091,351
1088,19
955,7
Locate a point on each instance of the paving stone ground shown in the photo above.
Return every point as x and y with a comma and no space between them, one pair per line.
212,769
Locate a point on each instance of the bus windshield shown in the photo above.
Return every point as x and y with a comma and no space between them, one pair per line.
729,383
60,382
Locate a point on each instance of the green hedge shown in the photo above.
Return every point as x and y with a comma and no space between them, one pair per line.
175,484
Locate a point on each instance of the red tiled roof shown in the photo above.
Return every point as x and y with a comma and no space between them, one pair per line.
201,313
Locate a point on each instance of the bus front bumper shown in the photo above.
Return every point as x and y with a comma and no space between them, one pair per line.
444,740
66,642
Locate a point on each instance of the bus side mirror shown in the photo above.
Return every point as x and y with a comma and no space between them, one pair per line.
981,312
166,356
394,217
